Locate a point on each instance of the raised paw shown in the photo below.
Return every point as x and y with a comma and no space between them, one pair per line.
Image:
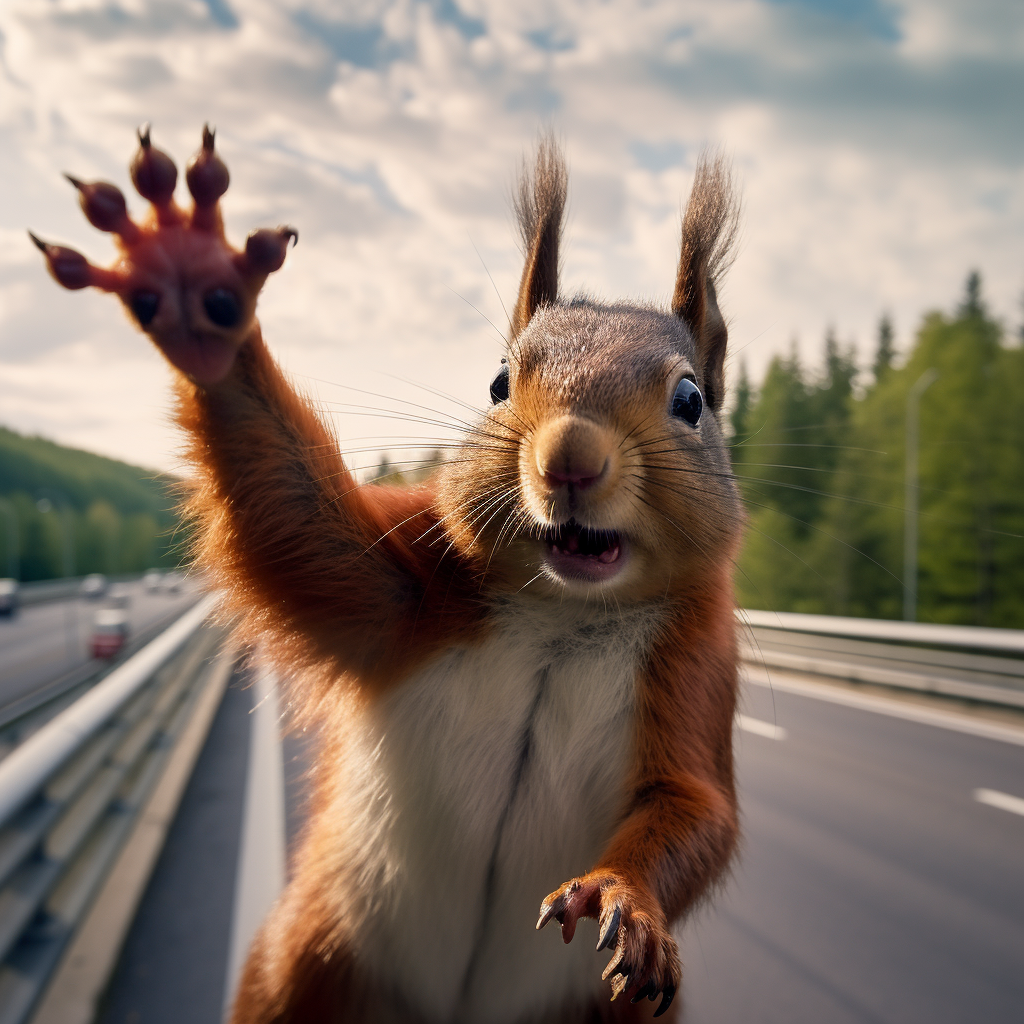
645,958
177,275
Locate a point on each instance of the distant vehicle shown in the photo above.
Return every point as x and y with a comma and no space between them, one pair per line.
118,597
8,597
152,580
109,632
171,583
94,586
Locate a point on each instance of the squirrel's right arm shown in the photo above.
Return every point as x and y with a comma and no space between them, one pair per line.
330,572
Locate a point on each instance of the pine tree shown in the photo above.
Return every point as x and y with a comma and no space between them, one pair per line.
739,417
972,304
886,349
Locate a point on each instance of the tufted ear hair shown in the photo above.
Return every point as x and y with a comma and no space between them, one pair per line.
709,231
539,204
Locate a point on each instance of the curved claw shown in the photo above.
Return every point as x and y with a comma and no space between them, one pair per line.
610,930
266,249
72,270
153,172
619,985
548,912
614,965
207,175
666,1000
104,207
68,267
648,991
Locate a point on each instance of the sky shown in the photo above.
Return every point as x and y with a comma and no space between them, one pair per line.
879,148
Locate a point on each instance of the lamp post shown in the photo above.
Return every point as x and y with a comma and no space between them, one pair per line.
925,381
68,558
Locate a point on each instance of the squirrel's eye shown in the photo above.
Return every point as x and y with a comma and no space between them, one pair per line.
687,402
499,386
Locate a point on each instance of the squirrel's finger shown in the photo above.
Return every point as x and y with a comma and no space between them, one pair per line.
265,249
72,270
207,178
153,172
105,208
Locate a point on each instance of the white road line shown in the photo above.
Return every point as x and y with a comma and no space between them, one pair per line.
1003,801
880,705
760,728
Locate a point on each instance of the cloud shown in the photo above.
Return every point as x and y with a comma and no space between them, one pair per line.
878,146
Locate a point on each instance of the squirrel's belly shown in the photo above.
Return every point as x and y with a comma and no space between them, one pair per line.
500,772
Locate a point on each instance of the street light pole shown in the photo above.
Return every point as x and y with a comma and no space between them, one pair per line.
63,516
925,381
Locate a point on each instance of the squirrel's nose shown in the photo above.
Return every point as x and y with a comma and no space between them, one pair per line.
572,451
581,478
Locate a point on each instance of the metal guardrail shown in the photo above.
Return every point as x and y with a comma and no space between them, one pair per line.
71,792
966,662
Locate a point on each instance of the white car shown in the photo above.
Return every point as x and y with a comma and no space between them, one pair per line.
94,586
171,583
152,580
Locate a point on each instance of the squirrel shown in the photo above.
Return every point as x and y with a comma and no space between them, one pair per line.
523,671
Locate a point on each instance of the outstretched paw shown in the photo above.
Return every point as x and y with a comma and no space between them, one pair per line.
177,275
645,959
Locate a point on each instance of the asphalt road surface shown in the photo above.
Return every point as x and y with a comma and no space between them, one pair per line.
875,886
45,642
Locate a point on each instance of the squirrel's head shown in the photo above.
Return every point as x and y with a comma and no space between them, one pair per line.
601,469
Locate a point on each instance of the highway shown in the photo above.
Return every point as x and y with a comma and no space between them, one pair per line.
873,886
45,645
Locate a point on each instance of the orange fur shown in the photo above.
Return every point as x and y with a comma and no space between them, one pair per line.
354,591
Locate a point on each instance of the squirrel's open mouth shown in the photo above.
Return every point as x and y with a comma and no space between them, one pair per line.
576,552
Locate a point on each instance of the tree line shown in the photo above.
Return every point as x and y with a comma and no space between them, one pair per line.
69,512
821,460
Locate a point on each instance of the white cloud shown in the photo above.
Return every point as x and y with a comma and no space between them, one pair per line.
880,158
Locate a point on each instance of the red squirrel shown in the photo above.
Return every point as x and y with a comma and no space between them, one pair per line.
523,671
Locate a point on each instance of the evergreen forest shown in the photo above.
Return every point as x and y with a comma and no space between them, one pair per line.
821,460
65,512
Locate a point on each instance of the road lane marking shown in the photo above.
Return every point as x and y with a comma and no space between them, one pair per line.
760,728
787,683
1003,801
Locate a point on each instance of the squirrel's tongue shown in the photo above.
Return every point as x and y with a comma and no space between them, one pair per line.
579,552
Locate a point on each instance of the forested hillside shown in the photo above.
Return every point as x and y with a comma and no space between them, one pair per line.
69,512
820,459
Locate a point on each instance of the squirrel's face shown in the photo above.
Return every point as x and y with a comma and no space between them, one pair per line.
599,471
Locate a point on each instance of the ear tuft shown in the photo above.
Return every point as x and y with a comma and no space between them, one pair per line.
539,205
710,225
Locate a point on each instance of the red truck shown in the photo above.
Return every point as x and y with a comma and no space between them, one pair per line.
109,632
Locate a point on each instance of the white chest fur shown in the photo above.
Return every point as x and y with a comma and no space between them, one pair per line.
498,773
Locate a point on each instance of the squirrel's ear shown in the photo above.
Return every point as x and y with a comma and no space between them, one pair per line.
539,203
709,231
